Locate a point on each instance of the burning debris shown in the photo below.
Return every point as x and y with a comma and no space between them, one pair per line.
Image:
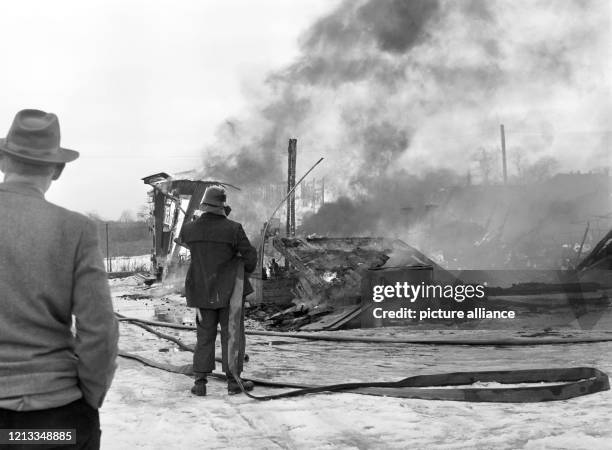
327,269
330,270
328,277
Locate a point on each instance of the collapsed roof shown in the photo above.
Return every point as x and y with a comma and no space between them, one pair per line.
182,183
330,270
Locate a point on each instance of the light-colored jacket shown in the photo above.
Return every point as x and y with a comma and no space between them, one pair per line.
51,268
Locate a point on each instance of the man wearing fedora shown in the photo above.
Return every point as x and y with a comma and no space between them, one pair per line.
51,274
217,245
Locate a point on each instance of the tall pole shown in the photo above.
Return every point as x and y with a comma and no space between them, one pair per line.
292,153
503,146
108,266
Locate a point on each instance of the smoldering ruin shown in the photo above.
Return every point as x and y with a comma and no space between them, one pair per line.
407,108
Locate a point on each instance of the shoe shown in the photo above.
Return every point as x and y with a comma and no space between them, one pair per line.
234,388
199,388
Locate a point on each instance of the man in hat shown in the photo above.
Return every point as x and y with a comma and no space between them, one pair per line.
51,275
217,245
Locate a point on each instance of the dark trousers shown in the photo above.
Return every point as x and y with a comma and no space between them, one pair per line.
204,355
77,415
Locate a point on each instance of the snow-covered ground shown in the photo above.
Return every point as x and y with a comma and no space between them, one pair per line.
150,408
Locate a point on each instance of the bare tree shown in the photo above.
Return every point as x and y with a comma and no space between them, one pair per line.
127,216
518,158
485,160
143,213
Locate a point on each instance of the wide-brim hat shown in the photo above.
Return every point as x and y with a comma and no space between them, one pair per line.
34,137
214,196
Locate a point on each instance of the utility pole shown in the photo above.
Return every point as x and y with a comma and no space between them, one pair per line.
503,148
292,151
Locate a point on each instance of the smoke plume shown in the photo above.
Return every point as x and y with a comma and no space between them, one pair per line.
401,96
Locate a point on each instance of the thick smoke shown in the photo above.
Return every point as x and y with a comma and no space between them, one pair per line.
397,93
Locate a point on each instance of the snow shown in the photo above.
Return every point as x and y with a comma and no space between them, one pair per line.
152,409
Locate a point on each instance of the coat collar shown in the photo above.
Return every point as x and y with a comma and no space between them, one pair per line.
209,215
21,188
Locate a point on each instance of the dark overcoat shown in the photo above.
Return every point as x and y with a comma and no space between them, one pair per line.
216,244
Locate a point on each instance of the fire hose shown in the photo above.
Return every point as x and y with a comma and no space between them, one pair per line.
316,336
569,382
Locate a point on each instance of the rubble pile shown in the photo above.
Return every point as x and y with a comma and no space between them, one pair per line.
262,311
296,317
329,274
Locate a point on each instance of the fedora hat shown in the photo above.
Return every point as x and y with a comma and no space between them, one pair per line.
34,137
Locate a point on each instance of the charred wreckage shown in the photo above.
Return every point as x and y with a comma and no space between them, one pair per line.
317,283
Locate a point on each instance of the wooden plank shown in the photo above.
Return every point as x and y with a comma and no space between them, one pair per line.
360,309
324,322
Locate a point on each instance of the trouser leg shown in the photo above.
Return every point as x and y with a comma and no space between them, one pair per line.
204,354
78,416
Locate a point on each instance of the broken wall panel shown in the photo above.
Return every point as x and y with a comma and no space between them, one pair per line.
168,214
